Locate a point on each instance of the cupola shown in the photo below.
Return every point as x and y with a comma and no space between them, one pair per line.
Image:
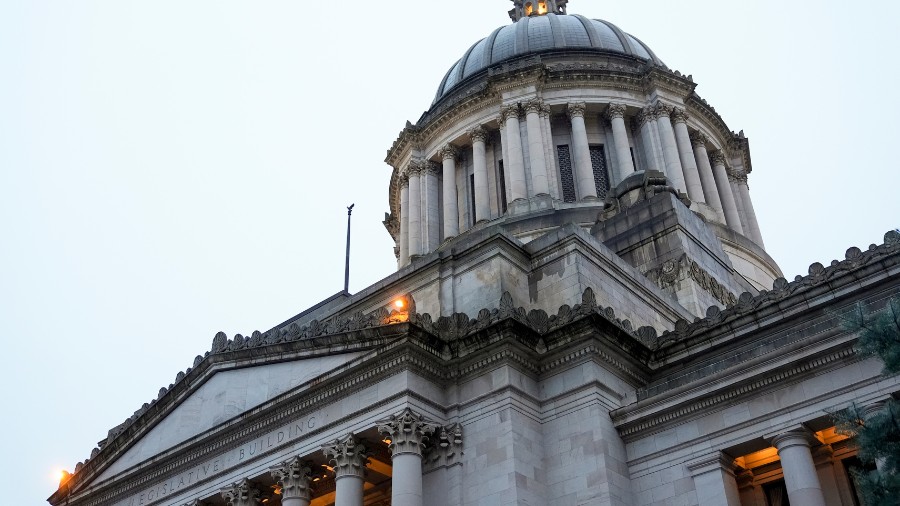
528,8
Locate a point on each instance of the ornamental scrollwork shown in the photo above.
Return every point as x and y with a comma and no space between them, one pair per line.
576,109
615,111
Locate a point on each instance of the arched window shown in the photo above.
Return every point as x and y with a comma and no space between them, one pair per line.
542,7
529,9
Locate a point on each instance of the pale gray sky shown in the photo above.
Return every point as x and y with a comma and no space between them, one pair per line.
170,169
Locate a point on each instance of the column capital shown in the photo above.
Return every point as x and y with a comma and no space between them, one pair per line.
679,115
646,115
545,110
431,168
243,493
615,111
347,455
478,134
408,432
403,180
533,106
715,462
449,152
576,109
738,177
718,158
794,437
662,110
293,478
509,111
699,139
416,167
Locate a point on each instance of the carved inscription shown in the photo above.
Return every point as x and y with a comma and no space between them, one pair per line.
231,459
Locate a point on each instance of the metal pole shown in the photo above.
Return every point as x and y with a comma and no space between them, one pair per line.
347,266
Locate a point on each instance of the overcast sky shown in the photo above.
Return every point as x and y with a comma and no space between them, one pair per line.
170,169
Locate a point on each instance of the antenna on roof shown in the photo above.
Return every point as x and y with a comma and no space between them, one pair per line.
347,265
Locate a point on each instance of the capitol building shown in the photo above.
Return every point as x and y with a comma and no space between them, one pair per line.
583,313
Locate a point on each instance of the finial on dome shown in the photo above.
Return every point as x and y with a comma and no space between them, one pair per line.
528,8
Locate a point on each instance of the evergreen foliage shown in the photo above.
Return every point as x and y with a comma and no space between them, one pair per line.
877,432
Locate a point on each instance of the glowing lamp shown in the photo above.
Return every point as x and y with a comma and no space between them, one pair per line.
399,303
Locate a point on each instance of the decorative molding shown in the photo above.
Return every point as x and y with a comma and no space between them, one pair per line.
348,456
293,478
243,493
673,270
408,432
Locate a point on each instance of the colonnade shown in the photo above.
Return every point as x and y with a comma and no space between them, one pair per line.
406,434
669,147
806,463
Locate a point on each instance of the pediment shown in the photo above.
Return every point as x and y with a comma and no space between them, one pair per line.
225,395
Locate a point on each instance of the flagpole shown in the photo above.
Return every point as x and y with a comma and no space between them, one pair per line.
347,265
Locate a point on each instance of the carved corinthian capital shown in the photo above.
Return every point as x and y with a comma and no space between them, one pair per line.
545,110
662,110
576,109
404,180
615,111
348,456
534,106
241,494
717,157
415,167
408,432
431,168
478,134
699,139
646,115
293,478
509,111
449,152
679,115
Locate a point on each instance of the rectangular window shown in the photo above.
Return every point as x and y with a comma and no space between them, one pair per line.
472,197
601,176
502,188
567,179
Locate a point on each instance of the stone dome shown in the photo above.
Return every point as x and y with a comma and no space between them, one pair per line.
538,34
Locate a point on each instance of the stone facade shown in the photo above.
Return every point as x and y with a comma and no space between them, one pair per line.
546,340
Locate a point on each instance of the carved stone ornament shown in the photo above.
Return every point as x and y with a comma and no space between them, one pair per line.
646,115
241,494
615,111
678,115
576,109
545,110
431,168
737,178
717,157
449,152
662,110
699,139
408,432
348,456
509,111
448,442
534,106
478,134
416,167
293,478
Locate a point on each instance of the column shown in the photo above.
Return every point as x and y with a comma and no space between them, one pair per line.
729,206
647,123
515,165
868,413
243,493
714,481
710,193
799,471
674,171
686,155
823,458
292,477
404,219
585,185
415,209
552,161
744,190
624,163
349,458
432,206
482,197
539,181
451,208
408,431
